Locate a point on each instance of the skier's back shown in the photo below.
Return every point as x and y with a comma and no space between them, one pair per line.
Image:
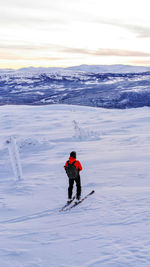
73,168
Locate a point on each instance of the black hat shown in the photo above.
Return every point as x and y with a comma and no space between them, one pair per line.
73,154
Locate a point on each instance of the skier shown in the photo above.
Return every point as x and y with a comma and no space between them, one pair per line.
73,168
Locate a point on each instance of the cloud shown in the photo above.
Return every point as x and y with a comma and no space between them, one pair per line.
47,58
30,47
140,31
49,14
23,19
141,62
121,53
9,56
106,52
23,49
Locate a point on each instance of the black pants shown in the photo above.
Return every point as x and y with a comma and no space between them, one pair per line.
78,185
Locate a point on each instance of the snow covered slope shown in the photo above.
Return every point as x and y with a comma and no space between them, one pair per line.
111,228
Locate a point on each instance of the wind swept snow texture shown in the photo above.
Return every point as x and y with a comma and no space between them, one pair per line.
14,157
108,90
112,227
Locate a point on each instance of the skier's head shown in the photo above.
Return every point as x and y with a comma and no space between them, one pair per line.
73,154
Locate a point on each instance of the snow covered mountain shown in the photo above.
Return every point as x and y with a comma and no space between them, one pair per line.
110,68
84,85
111,228
87,68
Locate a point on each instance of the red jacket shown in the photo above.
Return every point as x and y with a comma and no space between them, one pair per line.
77,163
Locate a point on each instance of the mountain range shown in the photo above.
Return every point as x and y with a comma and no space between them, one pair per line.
86,68
115,86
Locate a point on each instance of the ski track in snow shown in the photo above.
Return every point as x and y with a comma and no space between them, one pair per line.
111,227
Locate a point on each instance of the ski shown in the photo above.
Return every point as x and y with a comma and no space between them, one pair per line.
67,204
80,201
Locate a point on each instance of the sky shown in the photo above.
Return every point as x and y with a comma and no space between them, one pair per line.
62,33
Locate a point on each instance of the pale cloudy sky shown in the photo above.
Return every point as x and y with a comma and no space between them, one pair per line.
73,32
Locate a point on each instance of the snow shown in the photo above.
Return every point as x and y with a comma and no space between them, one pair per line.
84,68
111,227
107,90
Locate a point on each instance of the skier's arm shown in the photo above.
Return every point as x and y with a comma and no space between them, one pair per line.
66,164
79,166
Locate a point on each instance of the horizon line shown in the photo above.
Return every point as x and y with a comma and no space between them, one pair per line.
73,66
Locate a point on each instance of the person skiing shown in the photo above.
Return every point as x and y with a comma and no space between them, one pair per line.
73,168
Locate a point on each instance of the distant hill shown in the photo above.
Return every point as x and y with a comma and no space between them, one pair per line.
109,68
39,86
86,68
